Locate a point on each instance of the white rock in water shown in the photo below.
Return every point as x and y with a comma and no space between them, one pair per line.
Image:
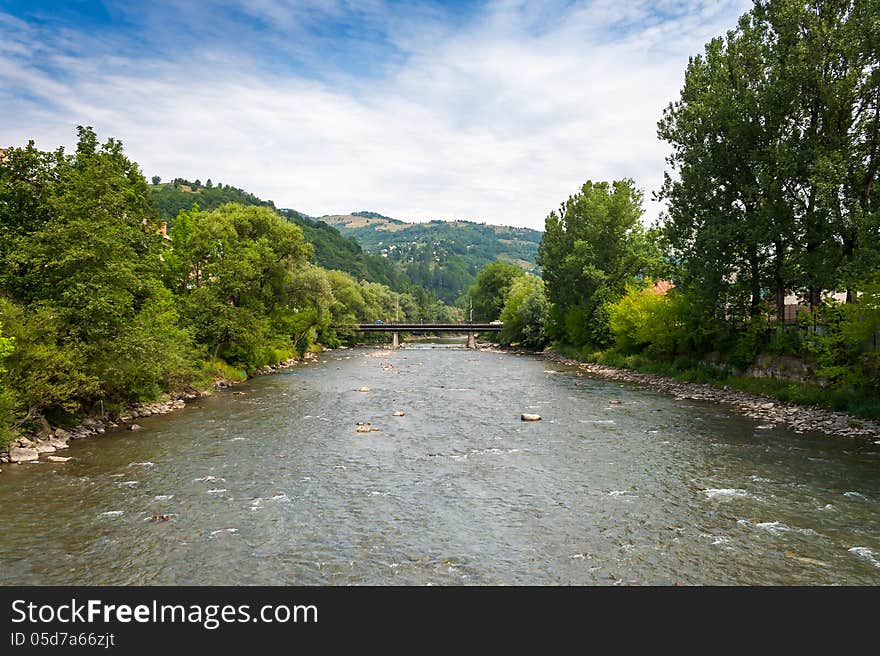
529,417
58,458
18,454
398,413
363,389
43,447
135,427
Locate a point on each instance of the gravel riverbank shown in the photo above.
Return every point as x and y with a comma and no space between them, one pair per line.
47,441
799,418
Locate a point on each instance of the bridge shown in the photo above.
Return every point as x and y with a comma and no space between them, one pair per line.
396,328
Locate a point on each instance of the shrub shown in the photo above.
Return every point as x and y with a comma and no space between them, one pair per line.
646,321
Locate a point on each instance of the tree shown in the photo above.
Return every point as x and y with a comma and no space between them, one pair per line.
156,179
90,267
591,249
490,289
244,285
27,177
525,313
773,180
46,370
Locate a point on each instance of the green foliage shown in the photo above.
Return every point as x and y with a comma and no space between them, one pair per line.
243,282
525,313
489,293
82,276
658,325
591,250
775,166
747,344
442,257
7,402
170,199
217,369
46,370
845,343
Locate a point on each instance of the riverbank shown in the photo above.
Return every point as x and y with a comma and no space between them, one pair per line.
277,487
765,408
48,441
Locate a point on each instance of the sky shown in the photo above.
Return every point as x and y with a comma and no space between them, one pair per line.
484,111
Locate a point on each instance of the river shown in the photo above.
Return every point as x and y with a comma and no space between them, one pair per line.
270,483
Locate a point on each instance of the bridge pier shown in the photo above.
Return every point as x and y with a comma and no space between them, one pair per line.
472,341
395,340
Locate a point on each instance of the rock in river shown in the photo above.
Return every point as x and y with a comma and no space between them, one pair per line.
529,417
19,454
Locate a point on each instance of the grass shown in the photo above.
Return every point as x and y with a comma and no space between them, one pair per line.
219,369
854,401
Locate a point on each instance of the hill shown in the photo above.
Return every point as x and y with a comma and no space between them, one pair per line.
332,250
180,194
442,256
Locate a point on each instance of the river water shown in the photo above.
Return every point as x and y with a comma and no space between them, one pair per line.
617,485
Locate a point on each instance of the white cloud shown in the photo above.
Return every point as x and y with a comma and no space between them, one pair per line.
498,120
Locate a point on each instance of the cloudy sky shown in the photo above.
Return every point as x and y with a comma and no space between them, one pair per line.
490,111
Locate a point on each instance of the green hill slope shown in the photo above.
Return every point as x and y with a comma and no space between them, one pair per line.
332,250
171,197
442,256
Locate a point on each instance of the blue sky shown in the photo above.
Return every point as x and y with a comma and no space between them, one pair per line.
489,111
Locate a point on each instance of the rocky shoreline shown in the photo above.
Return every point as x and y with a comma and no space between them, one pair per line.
799,418
48,441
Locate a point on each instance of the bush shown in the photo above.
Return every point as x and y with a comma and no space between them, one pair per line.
7,404
646,321
525,313
843,345
748,344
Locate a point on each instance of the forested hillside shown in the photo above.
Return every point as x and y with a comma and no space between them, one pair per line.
180,194
435,259
331,249
442,256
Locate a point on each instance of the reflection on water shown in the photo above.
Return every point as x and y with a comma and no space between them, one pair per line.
277,487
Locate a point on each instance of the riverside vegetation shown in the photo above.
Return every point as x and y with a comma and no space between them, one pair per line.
99,310
772,190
